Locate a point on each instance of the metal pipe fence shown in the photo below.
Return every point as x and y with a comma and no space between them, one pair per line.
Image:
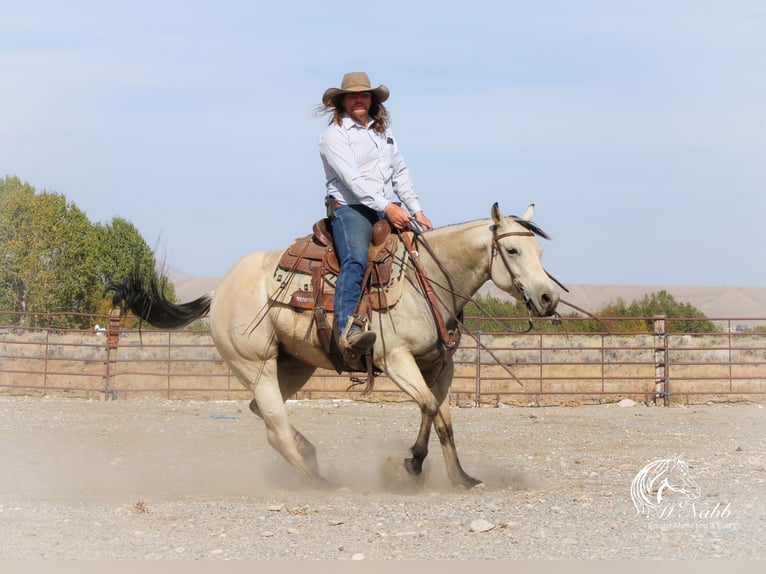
106,359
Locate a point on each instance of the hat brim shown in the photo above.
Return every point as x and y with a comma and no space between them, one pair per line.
381,92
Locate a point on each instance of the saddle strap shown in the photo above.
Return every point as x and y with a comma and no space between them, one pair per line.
320,317
449,339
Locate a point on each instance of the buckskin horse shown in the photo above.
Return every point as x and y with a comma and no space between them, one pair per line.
272,348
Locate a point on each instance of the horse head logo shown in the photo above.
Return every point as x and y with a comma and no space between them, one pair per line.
660,478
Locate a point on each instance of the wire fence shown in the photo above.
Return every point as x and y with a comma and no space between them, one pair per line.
110,360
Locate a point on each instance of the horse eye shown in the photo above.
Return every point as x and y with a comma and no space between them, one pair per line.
513,251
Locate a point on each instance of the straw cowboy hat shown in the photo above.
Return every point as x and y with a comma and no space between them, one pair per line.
355,82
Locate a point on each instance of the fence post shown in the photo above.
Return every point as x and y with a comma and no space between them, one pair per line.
47,357
478,368
661,366
112,341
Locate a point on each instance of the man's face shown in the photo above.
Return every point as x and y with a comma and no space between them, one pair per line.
357,105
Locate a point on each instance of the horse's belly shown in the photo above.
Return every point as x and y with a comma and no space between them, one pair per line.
298,337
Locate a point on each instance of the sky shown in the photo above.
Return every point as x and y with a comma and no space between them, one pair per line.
638,129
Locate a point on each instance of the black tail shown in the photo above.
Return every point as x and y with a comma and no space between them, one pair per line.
144,297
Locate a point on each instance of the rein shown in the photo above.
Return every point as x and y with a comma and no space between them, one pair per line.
448,338
451,338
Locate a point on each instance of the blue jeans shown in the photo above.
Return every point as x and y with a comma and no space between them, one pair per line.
351,230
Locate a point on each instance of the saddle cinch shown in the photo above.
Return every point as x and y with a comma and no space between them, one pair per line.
314,258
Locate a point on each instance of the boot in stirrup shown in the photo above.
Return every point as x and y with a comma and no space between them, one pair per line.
355,338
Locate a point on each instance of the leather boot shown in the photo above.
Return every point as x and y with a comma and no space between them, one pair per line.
360,340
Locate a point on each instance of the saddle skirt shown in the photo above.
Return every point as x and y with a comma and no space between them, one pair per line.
307,271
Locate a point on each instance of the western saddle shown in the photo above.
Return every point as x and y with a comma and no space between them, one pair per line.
314,256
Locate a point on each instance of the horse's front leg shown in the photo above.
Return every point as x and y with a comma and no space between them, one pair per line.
414,465
402,369
443,425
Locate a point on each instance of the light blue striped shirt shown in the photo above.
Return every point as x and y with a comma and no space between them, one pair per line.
365,166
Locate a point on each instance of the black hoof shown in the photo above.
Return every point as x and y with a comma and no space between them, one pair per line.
413,467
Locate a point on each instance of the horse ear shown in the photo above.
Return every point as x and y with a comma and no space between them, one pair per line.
529,212
497,217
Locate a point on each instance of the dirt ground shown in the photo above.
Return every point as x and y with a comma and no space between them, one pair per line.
158,479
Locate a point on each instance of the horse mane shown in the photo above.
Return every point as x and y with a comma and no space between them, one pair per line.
529,226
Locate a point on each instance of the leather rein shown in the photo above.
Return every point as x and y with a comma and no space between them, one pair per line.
448,337
451,338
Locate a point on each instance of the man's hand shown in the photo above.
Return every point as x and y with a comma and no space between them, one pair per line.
397,215
424,222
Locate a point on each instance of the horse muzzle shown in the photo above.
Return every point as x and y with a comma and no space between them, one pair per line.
542,303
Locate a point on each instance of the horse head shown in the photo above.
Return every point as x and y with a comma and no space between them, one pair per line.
679,478
516,263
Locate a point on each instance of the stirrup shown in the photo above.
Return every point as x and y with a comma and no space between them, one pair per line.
359,340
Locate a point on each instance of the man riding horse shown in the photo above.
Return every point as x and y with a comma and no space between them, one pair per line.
367,180
271,345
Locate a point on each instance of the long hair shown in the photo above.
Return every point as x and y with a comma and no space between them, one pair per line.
378,112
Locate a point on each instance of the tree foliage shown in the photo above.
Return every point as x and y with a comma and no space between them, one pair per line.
493,315
662,303
637,316
54,259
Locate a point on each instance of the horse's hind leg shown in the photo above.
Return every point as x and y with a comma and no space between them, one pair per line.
268,403
292,376
304,446
281,435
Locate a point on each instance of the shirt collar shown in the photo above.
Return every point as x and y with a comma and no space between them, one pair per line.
349,123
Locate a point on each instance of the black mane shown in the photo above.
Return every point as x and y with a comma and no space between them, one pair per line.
529,226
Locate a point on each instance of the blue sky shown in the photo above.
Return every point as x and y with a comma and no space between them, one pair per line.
637,129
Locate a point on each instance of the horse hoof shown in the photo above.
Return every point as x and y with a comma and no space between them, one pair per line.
413,467
470,484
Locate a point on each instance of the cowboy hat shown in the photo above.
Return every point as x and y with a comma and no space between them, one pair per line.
355,82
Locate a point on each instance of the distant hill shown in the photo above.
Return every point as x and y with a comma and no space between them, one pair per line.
715,302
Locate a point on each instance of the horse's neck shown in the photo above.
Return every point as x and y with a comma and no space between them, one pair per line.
457,260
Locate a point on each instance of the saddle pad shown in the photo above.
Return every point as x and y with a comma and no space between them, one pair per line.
295,288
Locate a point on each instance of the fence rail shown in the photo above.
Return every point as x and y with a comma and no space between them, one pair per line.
540,367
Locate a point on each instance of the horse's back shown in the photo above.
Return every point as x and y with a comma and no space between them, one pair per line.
246,279
238,297
247,322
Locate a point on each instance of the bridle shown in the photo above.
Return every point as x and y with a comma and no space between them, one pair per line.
496,248
450,338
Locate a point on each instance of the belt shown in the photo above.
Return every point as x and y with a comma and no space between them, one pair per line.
339,204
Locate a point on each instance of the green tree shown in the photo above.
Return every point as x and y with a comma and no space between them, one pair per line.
638,316
494,315
660,303
54,259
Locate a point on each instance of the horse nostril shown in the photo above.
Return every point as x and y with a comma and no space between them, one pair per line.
546,298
